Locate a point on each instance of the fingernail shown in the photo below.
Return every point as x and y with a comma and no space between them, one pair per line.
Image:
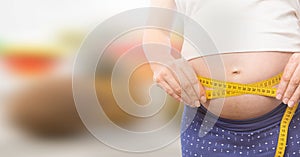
203,99
197,103
278,96
291,103
285,100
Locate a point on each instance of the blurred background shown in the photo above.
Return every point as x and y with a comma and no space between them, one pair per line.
38,45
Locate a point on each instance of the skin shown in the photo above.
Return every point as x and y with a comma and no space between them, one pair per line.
243,68
289,90
246,67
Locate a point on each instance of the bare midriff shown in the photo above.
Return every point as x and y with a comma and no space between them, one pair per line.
245,67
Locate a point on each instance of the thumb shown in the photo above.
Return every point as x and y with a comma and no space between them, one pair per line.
202,93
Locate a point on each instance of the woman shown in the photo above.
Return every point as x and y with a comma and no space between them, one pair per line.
267,33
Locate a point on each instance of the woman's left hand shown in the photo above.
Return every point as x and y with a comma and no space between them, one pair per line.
289,89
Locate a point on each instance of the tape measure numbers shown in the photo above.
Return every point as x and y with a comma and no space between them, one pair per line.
283,132
221,89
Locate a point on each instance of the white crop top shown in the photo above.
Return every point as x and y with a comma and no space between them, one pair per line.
245,25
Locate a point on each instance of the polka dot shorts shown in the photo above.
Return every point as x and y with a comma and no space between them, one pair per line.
201,137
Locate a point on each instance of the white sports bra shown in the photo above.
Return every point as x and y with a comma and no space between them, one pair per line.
245,25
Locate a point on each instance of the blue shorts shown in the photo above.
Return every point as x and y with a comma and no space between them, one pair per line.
255,137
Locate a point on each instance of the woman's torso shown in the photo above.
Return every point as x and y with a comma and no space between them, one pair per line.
243,68
253,38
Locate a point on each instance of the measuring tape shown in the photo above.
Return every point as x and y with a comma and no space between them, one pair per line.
221,89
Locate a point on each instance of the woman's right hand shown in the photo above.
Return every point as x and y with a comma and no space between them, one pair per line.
179,80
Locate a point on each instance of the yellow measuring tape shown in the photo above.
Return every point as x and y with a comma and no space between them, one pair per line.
221,89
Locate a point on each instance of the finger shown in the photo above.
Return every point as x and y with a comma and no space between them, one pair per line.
173,83
168,83
165,86
202,93
188,88
197,86
161,82
187,100
191,76
188,81
183,97
293,84
295,98
286,77
179,92
198,89
187,92
194,87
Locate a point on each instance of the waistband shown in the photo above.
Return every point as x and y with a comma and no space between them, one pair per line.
254,124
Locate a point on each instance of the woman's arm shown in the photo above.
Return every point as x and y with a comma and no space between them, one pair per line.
178,78
156,35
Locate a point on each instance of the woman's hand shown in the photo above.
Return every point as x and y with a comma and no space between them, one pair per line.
289,89
179,80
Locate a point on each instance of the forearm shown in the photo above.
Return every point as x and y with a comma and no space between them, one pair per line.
158,37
